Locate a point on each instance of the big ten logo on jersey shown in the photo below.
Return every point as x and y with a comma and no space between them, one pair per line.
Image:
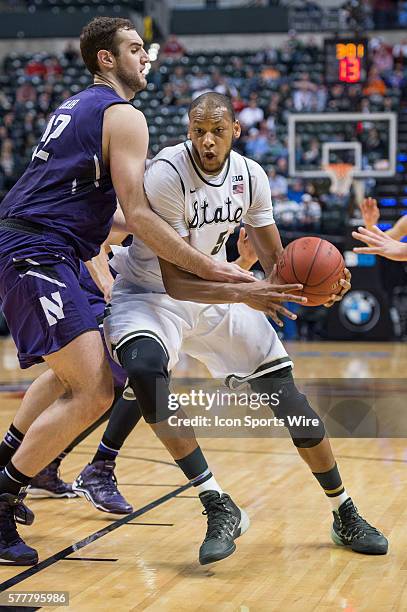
54,308
237,184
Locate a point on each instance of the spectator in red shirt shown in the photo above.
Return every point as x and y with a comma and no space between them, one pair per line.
173,47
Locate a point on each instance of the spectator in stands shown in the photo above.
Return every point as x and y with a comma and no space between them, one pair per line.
383,59
312,156
200,81
388,105
169,98
277,148
44,102
296,191
282,166
321,98
304,94
400,50
221,85
155,76
5,103
238,103
178,78
310,213
257,145
397,78
26,93
173,48
373,142
270,75
36,68
286,214
52,68
8,162
70,53
183,96
375,84
251,115
250,84
278,184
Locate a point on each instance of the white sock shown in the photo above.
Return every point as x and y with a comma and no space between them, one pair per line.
338,500
208,485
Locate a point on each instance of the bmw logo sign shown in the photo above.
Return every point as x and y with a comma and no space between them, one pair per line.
359,311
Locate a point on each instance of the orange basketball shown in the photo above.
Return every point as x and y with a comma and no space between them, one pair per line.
315,263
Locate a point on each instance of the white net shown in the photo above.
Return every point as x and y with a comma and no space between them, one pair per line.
341,176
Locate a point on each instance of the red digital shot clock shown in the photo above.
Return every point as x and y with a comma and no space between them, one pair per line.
346,60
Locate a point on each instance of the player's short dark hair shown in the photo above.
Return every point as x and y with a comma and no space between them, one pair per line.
211,100
100,33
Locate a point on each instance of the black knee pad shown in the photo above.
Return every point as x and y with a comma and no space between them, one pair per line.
146,363
303,423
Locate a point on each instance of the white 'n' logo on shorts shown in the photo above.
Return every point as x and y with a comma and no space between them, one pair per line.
53,310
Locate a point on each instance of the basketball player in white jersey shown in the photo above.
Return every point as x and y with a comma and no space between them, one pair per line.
203,189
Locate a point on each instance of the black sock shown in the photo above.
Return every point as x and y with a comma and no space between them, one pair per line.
331,482
12,481
195,467
125,416
10,444
107,450
59,458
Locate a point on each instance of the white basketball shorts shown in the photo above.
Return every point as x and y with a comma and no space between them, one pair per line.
230,339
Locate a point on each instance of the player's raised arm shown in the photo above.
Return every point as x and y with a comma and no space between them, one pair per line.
125,143
371,215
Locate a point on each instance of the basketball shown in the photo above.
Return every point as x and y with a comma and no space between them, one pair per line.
315,263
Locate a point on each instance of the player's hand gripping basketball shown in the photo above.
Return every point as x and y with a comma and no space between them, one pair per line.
268,296
345,284
370,212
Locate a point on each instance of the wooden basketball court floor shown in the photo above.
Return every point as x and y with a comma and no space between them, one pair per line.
285,562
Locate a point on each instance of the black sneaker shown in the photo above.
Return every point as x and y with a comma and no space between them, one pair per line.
350,529
13,550
226,522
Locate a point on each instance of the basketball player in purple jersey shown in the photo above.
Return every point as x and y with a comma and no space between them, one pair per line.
60,211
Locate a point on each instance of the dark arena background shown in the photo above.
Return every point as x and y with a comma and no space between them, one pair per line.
320,90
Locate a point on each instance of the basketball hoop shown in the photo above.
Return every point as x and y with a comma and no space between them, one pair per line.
341,176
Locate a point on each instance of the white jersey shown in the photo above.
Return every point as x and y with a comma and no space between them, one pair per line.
206,208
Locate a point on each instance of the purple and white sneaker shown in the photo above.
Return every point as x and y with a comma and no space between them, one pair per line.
48,484
13,550
97,482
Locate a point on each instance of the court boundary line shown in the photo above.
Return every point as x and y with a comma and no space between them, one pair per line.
287,453
62,554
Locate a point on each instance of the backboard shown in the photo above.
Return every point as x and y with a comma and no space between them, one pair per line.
368,141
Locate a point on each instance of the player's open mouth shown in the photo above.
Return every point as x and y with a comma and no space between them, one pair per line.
209,155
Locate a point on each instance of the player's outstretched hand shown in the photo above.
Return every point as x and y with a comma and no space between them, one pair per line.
224,272
345,284
370,212
268,297
380,243
246,250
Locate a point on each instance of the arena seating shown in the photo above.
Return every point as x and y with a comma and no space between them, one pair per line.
272,81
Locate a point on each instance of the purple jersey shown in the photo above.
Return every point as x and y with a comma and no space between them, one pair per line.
66,187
